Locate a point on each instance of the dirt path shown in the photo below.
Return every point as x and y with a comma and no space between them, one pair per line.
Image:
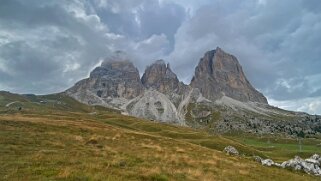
9,104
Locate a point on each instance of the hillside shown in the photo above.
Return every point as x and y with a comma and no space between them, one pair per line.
56,138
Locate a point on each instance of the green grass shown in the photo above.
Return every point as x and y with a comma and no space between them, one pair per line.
66,142
281,149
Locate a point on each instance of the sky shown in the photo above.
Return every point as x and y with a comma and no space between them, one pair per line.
47,46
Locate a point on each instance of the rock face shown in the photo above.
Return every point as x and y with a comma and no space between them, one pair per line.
117,79
160,77
220,74
112,83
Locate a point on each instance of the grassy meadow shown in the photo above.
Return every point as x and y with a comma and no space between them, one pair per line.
61,139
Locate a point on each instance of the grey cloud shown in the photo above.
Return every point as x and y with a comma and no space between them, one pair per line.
46,46
141,19
45,41
310,105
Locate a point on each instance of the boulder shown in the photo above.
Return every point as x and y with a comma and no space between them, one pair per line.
313,161
257,159
309,165
267,162
230,150
316,157
277,164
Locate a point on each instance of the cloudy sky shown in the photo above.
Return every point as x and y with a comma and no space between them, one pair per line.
46,46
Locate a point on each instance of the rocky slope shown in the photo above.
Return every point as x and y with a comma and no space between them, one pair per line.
155,106
219,97
228,115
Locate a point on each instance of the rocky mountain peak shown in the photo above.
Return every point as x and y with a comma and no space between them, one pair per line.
114,68
117,78
159,94
115,64
220,74
159,76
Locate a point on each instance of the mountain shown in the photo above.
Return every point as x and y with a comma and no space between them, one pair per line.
219,98
160,77
112,84
219,74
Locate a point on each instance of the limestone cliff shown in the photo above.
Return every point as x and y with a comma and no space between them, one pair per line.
112,84
220,74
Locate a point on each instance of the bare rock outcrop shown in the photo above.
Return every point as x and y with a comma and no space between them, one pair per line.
113,83
220,74
160,77
116,79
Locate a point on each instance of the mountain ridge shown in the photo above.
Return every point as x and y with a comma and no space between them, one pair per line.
219,98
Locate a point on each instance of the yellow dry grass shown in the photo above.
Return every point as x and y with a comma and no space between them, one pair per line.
36,147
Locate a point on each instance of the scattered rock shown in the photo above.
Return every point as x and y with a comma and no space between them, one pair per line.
315,157
267,162
257,159
277,164
310,165
313,161
230,150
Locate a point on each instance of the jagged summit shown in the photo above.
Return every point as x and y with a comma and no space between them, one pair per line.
217,74
117,84
117,78
220,74
219,98
160,77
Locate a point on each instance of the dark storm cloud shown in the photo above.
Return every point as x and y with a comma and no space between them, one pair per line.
46,46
